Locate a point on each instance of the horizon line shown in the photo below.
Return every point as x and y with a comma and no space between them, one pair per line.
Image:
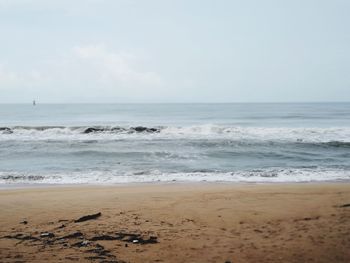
233,102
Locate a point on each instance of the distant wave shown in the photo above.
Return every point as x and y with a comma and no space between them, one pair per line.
112,177
80,129
337,144
335,137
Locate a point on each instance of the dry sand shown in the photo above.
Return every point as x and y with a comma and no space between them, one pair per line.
192,223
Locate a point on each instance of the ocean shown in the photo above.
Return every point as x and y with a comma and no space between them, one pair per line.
133,143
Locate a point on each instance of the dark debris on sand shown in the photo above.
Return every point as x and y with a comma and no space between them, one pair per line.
77,234
88,217
22,237
80,241
127,237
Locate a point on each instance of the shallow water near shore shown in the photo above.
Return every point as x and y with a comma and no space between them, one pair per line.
133,143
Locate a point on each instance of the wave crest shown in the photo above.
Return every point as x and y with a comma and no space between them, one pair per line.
335,137
112,177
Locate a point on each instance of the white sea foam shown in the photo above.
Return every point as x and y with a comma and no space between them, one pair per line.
114,177
312,135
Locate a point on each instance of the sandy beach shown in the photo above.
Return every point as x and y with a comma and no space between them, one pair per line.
177,223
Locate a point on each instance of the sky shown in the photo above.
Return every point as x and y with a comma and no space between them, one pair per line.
115,51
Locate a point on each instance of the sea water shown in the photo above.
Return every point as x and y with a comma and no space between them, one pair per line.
125,143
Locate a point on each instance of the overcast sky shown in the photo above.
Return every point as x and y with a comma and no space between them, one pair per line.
174,50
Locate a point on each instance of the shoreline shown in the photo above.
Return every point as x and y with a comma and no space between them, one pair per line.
19,186
202,222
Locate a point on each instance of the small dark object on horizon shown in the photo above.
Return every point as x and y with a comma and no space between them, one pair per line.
24,222
88,217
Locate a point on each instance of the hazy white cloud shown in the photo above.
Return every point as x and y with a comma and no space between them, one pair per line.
174,51
68,7
7,77
90,71
45,3
10,78
111,67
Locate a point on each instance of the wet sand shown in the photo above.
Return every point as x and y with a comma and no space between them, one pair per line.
177,223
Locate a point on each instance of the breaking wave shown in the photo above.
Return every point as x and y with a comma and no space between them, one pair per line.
114,177
335,137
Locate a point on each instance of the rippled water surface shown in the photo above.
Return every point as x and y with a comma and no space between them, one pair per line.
115,143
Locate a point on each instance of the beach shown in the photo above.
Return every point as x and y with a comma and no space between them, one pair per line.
174,131
177,222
